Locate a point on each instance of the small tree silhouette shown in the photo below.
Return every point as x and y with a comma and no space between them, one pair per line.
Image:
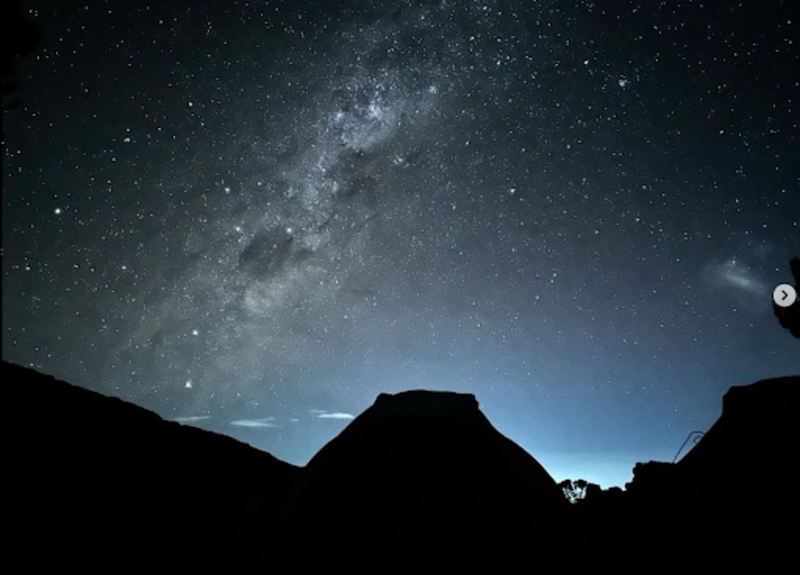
578,489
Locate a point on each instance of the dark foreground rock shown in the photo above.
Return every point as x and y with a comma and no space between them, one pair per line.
727,506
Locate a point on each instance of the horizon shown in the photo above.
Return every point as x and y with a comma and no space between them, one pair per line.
592,467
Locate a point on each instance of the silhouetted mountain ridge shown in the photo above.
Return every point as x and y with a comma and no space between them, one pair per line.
421,480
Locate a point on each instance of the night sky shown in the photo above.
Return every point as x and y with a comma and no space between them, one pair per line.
256,216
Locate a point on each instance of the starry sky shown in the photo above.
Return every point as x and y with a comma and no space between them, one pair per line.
255,216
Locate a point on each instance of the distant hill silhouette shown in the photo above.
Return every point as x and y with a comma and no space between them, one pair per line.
420,481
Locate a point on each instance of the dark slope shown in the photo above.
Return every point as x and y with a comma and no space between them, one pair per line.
727,506
421,481
730,504
103,486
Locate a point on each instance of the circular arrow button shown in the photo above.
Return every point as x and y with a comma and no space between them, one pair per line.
784,295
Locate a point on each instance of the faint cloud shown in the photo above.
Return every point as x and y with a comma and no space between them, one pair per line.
191,418
255,423
335,415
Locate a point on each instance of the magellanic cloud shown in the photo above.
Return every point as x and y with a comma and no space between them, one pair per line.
736,273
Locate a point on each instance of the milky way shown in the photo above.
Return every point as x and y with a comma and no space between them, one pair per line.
255,218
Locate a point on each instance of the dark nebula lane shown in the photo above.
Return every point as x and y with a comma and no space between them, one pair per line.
254,217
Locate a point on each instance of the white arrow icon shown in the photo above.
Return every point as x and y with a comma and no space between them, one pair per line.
784,295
